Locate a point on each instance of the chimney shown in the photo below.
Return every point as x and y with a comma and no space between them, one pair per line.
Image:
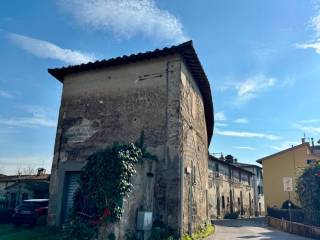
41,171
303,140
312,142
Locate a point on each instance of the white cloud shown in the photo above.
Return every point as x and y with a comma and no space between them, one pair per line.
220,116
314,44
315,24
284,145
251,87
220,124
307,121
289,81
307,129
126,18
277,148
244,148
245,134
241,120
39,118
44,49
5,94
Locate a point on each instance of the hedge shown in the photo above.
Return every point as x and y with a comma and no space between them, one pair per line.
297,215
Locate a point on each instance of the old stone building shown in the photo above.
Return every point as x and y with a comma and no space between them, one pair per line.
230,189
257,184
164,93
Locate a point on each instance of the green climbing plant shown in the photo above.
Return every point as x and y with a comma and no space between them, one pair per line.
104,182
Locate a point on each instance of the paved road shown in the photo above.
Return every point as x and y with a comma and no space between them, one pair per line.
249,229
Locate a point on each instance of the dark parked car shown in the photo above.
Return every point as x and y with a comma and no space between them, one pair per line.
30,212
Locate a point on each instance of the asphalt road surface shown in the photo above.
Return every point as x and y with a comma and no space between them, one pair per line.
249,229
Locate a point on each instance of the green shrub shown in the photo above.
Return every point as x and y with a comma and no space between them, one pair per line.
104,181
204,231
130,236
111,236
285,205
160,231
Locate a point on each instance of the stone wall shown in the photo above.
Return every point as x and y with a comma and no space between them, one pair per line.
226,193
293,227
157,96
195,154
99,107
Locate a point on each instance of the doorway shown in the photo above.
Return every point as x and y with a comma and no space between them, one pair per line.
70,187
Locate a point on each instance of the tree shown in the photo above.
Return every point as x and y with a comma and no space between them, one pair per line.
308,190
26,171
29,171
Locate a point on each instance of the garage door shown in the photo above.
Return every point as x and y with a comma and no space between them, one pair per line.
71,186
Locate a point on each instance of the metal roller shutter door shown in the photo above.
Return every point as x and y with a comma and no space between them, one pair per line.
72,184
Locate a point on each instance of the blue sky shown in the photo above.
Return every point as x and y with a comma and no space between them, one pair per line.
261,57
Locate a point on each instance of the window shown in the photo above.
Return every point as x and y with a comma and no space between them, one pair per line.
230,172
194,180
217,169
260,190
223,203
311,161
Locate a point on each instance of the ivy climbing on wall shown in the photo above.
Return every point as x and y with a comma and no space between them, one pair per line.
104,182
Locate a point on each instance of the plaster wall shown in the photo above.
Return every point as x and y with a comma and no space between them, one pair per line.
289,163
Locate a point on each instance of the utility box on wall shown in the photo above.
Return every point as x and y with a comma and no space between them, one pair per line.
144,221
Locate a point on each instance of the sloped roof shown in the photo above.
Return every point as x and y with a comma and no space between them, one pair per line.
12,178
186,50
246,165
32,185
284,151
213,158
